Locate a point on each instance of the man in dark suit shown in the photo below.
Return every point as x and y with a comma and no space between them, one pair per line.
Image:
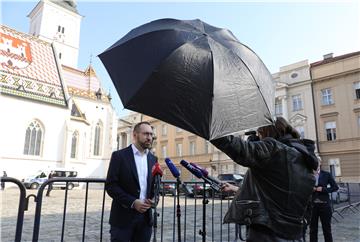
129,182
321,205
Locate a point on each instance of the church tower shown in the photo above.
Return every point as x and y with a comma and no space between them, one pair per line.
58,22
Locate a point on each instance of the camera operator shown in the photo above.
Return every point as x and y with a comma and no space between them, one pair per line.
278,184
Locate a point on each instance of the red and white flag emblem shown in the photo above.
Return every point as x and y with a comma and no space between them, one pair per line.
14,53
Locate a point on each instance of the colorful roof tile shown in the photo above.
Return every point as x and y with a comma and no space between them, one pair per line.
28,68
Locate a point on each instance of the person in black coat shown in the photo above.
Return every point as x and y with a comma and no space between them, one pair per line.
3,183
129,184
277,187
322,205
50,186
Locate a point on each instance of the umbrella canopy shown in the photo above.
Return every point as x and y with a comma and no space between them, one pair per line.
192,75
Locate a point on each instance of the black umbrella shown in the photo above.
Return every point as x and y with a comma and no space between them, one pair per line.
192,75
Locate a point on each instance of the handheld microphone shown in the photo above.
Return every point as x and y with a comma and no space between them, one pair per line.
199,174
206,174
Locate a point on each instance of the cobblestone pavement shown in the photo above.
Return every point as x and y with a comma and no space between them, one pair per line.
347,229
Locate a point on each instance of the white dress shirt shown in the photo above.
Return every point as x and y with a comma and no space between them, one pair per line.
142,169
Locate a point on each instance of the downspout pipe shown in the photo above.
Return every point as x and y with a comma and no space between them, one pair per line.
315,117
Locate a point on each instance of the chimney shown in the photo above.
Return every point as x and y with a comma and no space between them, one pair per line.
328,56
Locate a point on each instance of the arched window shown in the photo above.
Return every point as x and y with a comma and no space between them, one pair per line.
98,138
33,139
74,144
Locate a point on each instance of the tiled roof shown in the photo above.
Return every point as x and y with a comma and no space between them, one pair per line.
333,59
83,83
87,94
28,68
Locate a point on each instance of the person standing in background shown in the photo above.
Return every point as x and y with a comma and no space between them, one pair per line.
321,205
3,183
50,186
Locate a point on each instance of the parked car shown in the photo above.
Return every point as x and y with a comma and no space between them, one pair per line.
340,195
35,180
235,179
167,188
198,190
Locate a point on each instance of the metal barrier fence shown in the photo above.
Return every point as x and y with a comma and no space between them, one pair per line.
200,217
347,198
22,205
192,207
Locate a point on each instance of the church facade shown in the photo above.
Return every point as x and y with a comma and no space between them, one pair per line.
53,114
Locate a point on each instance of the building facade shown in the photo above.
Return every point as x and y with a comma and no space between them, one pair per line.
293,97
336,91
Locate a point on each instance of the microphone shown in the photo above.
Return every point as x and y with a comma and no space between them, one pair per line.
156,174
156,170
197,172
192,169
206,174
175,172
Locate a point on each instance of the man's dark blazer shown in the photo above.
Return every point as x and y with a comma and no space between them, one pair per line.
325,178
122,184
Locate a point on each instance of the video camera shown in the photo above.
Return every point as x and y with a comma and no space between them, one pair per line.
252,135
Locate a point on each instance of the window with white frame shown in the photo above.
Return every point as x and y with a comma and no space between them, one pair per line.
178,149
123,140
327,97
278,107
74,144
164,130
357,90
297,102
301,131
207,147
192,147
97,138
164,151
33,139
330,128
335,167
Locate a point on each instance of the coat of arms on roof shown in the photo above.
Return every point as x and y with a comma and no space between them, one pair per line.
14,53
28,68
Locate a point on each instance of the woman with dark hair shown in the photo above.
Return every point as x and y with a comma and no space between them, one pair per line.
278,185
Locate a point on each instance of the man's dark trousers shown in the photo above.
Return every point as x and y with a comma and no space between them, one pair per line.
322,210
137,230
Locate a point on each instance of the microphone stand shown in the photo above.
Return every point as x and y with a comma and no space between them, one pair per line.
178,211
205,201
156,201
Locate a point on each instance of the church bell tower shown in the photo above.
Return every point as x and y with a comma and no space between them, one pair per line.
58,22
